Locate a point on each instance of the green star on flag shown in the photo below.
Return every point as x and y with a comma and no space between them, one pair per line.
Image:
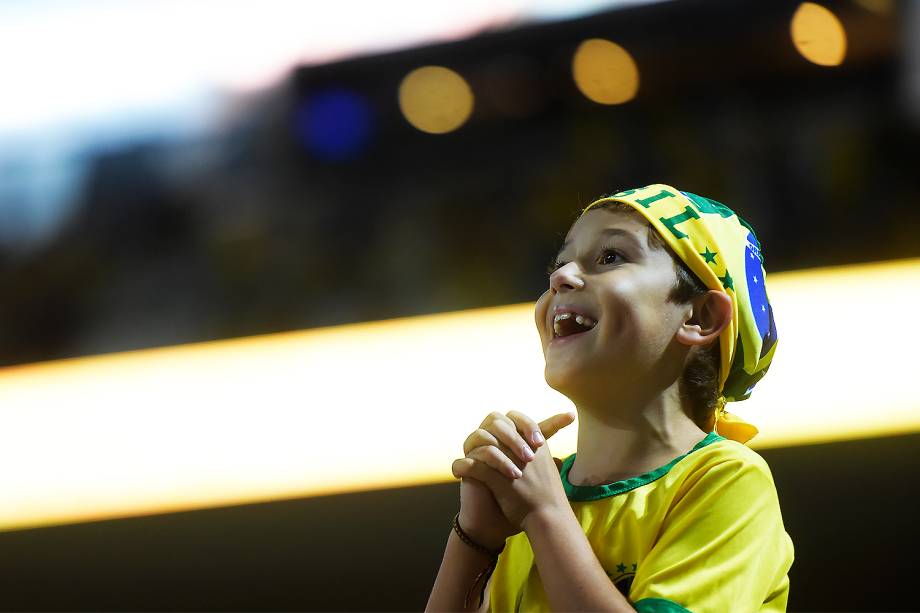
710,256
621,567
727,281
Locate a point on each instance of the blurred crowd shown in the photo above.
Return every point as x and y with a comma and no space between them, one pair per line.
259,227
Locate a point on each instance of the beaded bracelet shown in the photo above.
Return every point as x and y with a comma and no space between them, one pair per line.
486,572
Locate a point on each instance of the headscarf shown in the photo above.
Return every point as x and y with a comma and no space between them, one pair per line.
723,251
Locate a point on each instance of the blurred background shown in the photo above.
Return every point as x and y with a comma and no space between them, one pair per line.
175,173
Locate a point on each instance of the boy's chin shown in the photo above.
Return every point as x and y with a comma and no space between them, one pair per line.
565,377
574,380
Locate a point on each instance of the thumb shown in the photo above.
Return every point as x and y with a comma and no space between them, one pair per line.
552,425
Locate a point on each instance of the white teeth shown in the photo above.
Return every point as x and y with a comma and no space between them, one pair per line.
583,320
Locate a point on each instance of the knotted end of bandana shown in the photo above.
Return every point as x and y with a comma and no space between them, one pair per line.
730,425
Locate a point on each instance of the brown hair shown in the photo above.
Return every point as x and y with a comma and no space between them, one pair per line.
699,383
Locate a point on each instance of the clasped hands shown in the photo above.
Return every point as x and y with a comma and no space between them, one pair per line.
508,474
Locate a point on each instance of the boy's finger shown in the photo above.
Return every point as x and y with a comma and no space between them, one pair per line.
552,425
506,433
478,438
505,430
468,468
528,428
492,456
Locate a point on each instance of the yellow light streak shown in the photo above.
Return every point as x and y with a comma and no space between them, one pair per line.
389,403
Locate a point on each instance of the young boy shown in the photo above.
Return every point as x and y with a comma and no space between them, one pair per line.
656,315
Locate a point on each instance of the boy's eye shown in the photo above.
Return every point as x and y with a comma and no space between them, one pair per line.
556,264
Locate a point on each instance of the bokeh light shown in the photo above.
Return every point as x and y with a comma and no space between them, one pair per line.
435,99
881,7
818,35
333,124
605,72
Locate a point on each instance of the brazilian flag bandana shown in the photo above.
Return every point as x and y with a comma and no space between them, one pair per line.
723,251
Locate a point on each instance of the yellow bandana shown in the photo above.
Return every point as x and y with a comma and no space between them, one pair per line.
723,251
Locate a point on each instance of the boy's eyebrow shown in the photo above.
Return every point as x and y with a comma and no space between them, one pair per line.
604,232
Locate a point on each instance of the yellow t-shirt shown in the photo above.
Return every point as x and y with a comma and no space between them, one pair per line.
703,533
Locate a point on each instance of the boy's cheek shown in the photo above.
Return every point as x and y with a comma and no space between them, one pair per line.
540,312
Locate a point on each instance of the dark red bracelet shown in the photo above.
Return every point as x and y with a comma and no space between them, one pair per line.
486,572
466,539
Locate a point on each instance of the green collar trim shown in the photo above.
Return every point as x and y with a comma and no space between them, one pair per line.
658,605
582,493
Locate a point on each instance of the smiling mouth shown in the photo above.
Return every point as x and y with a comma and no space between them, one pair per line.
565,338
568,324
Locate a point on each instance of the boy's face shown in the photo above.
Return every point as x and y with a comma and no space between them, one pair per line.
611,274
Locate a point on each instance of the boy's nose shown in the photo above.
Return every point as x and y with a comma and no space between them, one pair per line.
566,278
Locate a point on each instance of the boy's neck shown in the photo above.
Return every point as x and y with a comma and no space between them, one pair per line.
624,441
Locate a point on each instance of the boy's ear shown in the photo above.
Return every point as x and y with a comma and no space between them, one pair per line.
711,314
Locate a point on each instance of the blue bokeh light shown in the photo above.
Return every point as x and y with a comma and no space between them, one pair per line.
333,124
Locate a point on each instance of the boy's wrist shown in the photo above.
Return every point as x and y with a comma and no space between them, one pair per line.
545,518
481,536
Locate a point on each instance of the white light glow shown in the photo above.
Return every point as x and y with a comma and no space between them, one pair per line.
389,403
70,61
